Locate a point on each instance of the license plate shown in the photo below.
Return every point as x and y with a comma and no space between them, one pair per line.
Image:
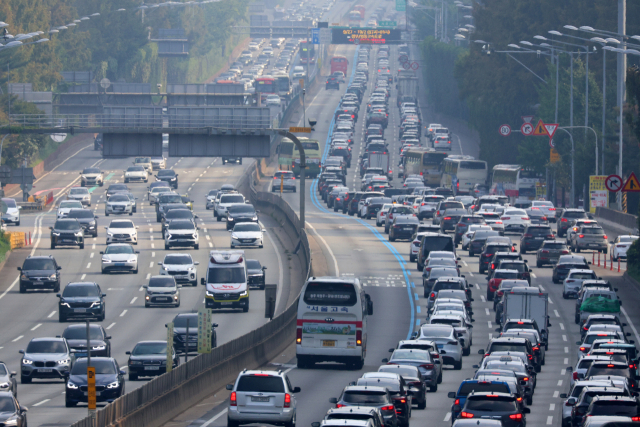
86,393
407,228
119,264
67,240
538,238
328,343
440,345
119,208
152,368
259,399
45,370
226,303
80,355
593,244
80,310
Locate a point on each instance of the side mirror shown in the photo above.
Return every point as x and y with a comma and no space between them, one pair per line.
229,387
526,410
476,366
104,295
451,395
296,390
385,360
137,252
202,282
19,268
196,263
145,286
123,372
101,252
563,395
58,295
572,401
569,369
50,228
58,268
315,424
21,351
480,351
178,286
127,352
333,400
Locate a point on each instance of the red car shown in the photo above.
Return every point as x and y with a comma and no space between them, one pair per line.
496,278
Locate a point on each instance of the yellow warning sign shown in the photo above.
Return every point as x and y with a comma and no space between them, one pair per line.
540,129
632,185
554,156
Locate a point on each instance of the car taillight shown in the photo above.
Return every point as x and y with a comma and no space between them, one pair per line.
359,338
287,400
504,218
515,416
275,177
604,237
427,366
567,403
563,219
525,218
433,295
464,414
500,293
493,266
545,252
387,408
232,399
447,218
536,348
565,252
583,349
581,236
550,236
337,198
339,405
635,418
456,402
299,336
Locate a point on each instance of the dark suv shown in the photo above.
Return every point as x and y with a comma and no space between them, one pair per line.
566,263
99,340
534,236
550,252
87,219
567,218
433,242
81,300
463,225
169,176
67,232
487,254
501,406
39,272
451,218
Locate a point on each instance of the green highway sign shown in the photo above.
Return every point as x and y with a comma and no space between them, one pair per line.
401,5
387,24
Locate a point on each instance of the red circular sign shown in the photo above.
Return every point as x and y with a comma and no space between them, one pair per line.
414,66
403,59
505,130
613,183
526,129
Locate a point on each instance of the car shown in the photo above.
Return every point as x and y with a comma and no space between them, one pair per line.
181,267
8,380
181,232
144,162
502,406
573,282
169,176
80,194
158,163
587,395
367,415
116,188
619,246
421,359
226,200
469,386
403,227
162,290
239,213
99,340
247,234
67,232
413,378
39,272
434,242
284,179
489,251
119,257
45,358
256,274
81,300
550,251
332,83
572,397
90,177
136,173
565,264
515,220
122,231
478,240
149,359
273,100
109,379
66,205
210,199
11,412
567,218
400,394
173,212
133,199
375,397
534,236
183,342
118,204
446,339
87,220
155,192
591,238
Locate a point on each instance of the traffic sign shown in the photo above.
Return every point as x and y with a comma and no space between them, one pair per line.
505,130
632,185
403,59
325,36
58,137
526,129
315,35
91,388
401,5
551,129
406,65
387,24
554,156
527,119
299,130
415,66
613,183
540,129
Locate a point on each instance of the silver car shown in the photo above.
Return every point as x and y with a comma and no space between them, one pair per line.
181,266
572,397
445,338
158,163
264,397
162,290
119,257
80,194
45,358
8,380
155,192
91,177
429,346
589,237
573,282
13,212
118,204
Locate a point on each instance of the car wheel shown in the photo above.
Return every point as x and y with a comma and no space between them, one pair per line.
392,239
219,218
466,352
245,309
440,378
564,296
522,250
106,214
69,404
604,251
56,288
529,400
133,377
196,246
538,264
166,247
61,317
18,225
81,245
135,271
131,213
457,365
576,319
23,289
433,389
412,258
423,404
53,245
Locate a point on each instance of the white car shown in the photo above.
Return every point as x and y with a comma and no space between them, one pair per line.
298,71
515,220
466,237
136,173
145,162
66,205
158,163
181,232
225,201
122,231
181,267
91,177
546,207
119,257
118,204
156,192
247,234
80,194
13,212
273,100
382,214
618,247
573,282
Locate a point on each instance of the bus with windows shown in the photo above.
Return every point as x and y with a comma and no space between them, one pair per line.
266,85
354,18
339,63
307,52
514,181
461,173
426,162
283,83
289,156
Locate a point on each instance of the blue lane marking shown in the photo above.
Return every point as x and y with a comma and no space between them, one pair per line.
416,295
413,285
417,322
418,308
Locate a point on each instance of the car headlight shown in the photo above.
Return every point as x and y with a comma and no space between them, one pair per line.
234,237
132,260
27,362
24,277
13,421
244,293
191,268
230,219
114,384
78,234
209,294
106,260
255,218
72,385
55,234
109,233
195,236
135,362
98,347
63,362
66,304
4,385
95,304
168,236
173,179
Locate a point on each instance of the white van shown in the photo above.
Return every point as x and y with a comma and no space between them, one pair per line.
332,322
226,281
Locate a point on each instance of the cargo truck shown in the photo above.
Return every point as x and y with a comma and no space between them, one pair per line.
528,303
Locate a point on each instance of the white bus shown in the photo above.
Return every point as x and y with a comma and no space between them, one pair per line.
332,322
515,182
461,173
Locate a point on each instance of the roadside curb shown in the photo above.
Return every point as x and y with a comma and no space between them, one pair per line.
6,258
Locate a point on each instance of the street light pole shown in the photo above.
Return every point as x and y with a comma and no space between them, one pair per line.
303,172
564,128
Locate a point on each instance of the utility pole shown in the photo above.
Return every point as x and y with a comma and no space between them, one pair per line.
303,172
622,74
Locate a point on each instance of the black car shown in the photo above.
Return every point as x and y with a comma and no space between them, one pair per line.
332,83
87,219
487,254
227,159
403,227
99,341
534,236
172,212
256,274
567,218
116,188
67,232
463,226
109,381
567,263
433,242
39,272
81,300
169,176
494,405
149,359
352,205
450,219
180,323
240,213
11,413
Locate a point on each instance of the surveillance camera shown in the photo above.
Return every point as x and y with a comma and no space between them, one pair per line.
312,123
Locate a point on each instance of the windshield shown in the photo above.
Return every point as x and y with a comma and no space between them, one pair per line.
119,249
136,168
232,198
437,243
246,227
260,384
592,231
102,366
117,187
66,225
253,264
149,348
411,355
179,214
618,408
80,333
162,282
80,213
38,264
88,290
121,224
492,405
3,369
7,404
181,321
226,275
436,332
508,347
583,276
241,209
365,397
400,370
76,191
161,190
90,170
181,225
170,198
481,386
119,198
178,259
574,215
327,293
70,204
166,173
41,347
143,159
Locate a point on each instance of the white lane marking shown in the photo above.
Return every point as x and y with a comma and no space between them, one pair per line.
471,274
153,246
550,302
89,265
556,393
36,327
153,254
561,326
465,264
489,324
280,267
563,372
564,338
123,313
18,338
566,360
333,257
482,298
552,406
210,244
448,416
207,236
486,310
83,276
534,276
566,349
559,383
53,313
133,300
541,288
148,276
41,402
93,246
150,264
549,420
556,313
111,325
92,254
477,286
633,328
